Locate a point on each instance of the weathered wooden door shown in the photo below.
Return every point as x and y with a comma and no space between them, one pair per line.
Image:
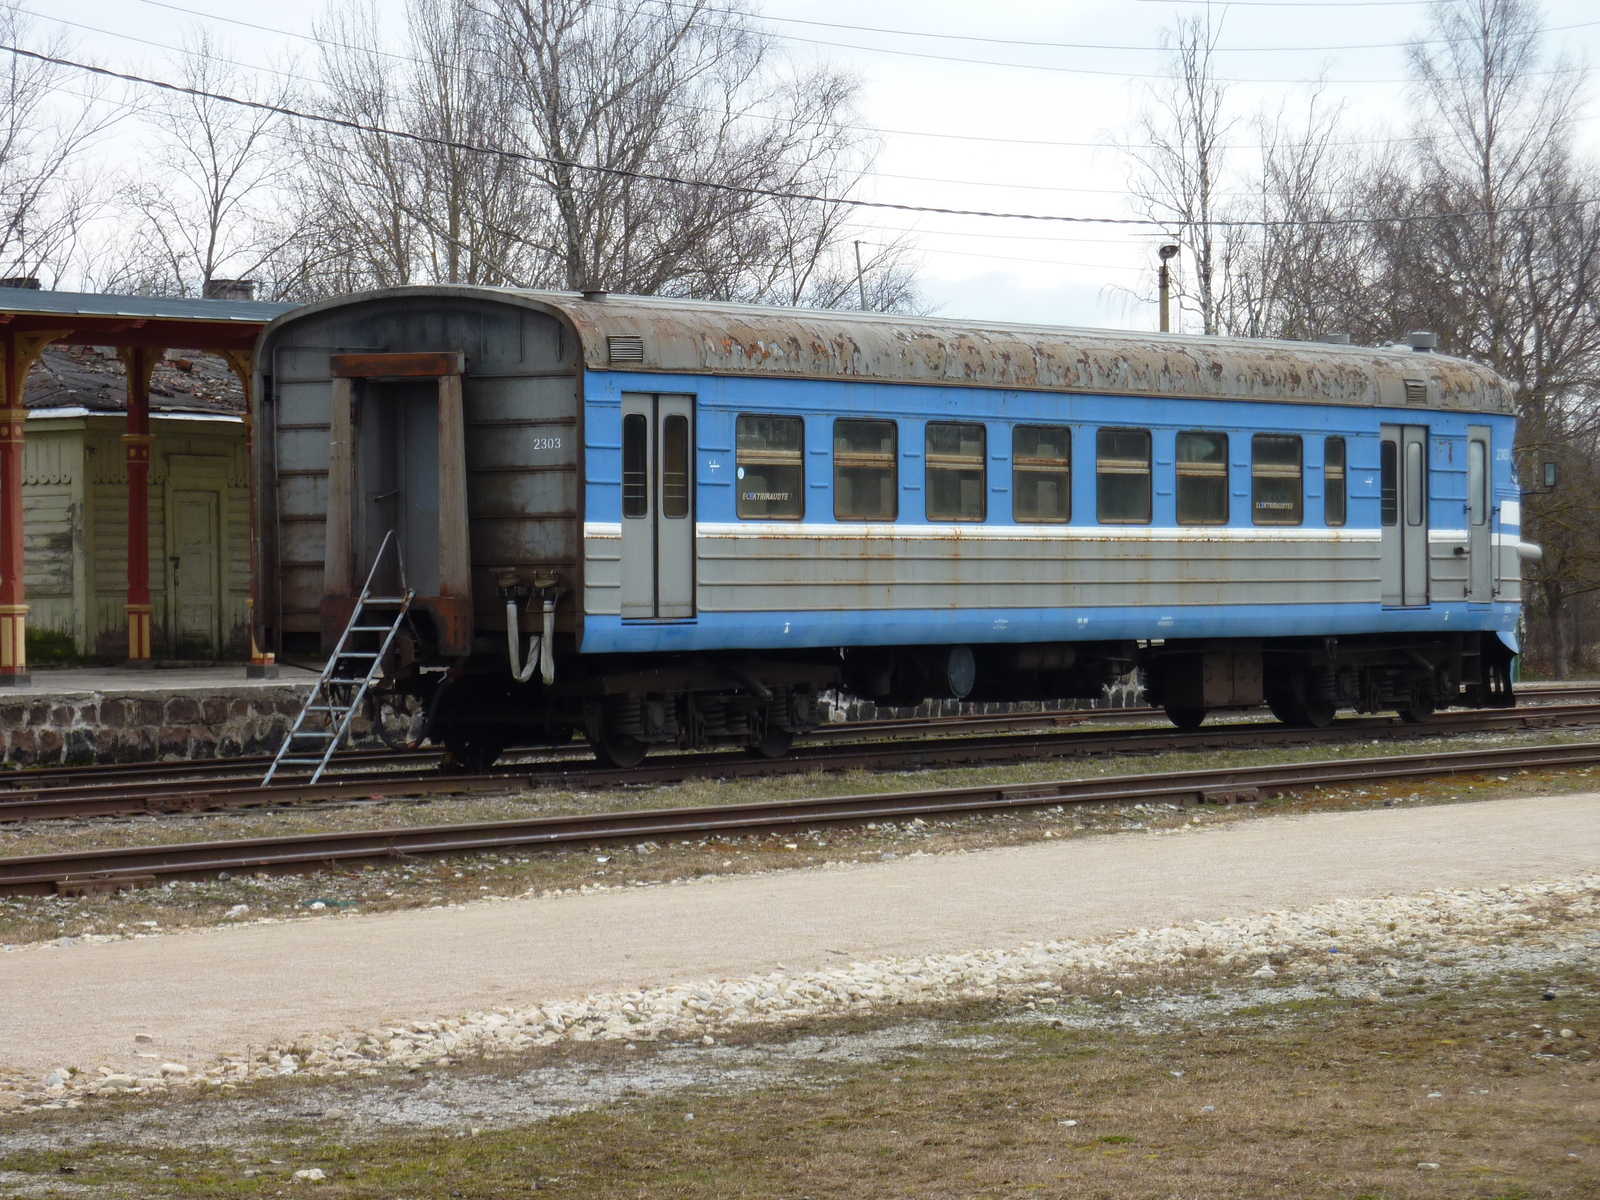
398,474
657,506
195,556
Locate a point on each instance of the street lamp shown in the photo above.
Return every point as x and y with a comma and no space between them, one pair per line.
1168,253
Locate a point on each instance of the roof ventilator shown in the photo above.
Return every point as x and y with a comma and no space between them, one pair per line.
625,347
1422,341
1416,391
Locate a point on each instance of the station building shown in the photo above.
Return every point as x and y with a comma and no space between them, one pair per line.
125,520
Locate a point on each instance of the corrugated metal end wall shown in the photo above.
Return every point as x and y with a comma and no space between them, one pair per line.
520,409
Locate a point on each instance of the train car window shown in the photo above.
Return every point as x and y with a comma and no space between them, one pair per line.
955,472
1041,473
1122,476
1334,491
1415,480
770,463
635,465
1277,496
1389,483
1477,482
1202,479
675,466
866,481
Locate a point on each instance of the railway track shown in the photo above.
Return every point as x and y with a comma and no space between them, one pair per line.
388,765
72,798
372,764
113,869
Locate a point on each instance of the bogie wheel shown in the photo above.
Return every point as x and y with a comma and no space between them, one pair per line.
775,743
1418,712
1286,708
1186,719
621,751
1317,714
473,756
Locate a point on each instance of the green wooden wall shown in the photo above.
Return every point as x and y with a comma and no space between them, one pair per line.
75,503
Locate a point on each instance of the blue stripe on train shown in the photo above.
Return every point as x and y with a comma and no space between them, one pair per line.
780,631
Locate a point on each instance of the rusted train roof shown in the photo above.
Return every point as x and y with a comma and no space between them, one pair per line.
653,333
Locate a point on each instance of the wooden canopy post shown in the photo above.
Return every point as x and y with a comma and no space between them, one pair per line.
139,362
18,351
242,362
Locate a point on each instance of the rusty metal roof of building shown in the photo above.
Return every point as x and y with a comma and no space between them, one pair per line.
91,377
656,333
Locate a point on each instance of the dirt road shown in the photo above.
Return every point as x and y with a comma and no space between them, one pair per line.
203,992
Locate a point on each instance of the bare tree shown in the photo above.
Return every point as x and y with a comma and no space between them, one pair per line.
1516,271
691,92
48,190
386,210
204,205
1180,163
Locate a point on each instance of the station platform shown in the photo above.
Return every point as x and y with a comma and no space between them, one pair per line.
113,714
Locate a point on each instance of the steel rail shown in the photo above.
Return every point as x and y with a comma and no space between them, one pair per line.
209,794
34,780
112,868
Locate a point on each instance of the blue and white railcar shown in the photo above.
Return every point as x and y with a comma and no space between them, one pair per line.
693,516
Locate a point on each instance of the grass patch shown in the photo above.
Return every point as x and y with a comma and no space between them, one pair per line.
1337,1101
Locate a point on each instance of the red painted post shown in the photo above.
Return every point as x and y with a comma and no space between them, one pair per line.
139,362
19,350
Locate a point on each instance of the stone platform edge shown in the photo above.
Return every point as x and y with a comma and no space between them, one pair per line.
145,725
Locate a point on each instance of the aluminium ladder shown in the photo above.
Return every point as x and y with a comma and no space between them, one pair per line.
348,674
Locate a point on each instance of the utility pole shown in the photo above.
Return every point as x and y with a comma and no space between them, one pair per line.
1167,252
861,279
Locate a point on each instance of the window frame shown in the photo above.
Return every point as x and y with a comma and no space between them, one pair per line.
1389,484
1343,478
676,506
928,468
768,458
635,445
1033,465
872,460
1276,472
1199,470
1100,474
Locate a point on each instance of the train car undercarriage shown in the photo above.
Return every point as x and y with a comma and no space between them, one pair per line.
479,708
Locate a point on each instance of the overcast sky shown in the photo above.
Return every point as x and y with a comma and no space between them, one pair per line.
1012,123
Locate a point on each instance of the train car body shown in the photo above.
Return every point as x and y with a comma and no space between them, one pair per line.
694,515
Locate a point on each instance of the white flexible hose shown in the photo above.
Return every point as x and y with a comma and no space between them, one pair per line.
541,655
547,657
520,672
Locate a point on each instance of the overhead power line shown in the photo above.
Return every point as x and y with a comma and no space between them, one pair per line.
736,188
1034,43
919,133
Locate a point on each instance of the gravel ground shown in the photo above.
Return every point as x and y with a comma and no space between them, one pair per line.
1369,948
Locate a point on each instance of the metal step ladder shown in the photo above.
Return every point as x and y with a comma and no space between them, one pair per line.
352,668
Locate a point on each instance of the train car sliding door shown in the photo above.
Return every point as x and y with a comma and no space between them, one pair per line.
1480,578
1403,470
657,506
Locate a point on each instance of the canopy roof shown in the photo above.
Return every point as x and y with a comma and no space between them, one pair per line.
90,319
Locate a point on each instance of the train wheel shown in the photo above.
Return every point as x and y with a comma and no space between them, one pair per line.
1285,708
475,755
775,743
619,750
1418,712
1317,714
1186,719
